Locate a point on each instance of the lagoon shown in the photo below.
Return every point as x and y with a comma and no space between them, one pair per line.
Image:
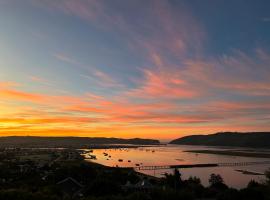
236,176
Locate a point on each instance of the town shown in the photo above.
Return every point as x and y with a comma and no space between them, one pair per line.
60,173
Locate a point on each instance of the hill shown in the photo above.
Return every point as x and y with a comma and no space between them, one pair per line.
249,139
68,142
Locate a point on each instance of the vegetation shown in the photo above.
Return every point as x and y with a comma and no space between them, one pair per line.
252,139
69,177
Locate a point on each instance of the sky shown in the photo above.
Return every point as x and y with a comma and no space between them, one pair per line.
140,68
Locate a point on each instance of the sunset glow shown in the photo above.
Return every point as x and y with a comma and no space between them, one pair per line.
163,70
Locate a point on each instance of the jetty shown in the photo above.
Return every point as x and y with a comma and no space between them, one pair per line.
182,166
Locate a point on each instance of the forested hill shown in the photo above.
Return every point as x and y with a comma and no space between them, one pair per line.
64,142
249,139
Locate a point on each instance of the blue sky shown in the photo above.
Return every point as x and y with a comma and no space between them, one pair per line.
134,68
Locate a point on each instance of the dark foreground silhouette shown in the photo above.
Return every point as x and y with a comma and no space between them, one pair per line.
55,174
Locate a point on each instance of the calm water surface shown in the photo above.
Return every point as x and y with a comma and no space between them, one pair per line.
174,154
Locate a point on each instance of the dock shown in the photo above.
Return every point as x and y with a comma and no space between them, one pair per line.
183,166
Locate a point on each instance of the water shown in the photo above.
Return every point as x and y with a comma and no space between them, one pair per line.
174,155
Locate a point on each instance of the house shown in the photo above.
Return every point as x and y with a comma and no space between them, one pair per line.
70,187
143,184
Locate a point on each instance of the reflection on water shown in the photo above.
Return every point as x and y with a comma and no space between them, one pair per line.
174,154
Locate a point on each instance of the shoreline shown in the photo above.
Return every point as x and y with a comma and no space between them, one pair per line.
120,146
232,153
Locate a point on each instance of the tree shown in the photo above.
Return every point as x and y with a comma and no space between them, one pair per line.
253,184
267,175
215,179
177,175
174,180
194,180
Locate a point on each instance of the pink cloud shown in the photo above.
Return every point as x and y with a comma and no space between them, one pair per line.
162,85
65,58
171,44
238,74
40,80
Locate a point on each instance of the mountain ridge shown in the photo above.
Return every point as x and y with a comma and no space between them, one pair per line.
240,139
41,141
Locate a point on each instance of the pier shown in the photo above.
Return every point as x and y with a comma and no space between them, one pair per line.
182,166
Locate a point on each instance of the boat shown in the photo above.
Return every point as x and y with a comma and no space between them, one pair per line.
91,157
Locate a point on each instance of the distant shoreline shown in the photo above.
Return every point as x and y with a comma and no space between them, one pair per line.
70,142
235,139
232,153
117,146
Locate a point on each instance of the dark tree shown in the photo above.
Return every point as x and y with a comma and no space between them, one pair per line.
215,179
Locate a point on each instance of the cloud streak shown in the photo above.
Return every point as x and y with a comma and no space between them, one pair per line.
177,87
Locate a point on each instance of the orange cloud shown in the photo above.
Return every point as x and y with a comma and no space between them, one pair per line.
97,116
162,85
10,93
19,95
178,92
